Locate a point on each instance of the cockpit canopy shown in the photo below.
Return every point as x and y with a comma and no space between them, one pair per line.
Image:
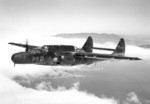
54,48
36,51
58,48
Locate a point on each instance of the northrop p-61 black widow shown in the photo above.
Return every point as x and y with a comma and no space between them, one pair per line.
67,54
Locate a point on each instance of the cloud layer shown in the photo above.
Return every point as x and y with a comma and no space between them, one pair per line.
13,80
11,92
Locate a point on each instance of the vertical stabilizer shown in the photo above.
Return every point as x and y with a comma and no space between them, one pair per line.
120,49
88,44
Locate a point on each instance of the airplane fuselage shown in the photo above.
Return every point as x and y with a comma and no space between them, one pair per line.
51,55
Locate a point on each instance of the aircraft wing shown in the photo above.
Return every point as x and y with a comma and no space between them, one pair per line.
95,56
23,45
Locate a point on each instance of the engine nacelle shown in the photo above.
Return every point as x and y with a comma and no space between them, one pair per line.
67,58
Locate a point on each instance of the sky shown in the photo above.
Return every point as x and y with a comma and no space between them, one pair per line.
32,17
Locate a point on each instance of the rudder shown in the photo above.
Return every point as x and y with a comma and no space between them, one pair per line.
120,49
88,44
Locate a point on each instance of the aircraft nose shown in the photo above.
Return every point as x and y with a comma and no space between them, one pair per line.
16,57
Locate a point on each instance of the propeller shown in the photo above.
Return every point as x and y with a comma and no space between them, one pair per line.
27,46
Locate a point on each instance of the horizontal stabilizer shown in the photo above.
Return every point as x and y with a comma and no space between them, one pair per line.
106,49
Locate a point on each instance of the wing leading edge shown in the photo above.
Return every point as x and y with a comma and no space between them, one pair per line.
23,45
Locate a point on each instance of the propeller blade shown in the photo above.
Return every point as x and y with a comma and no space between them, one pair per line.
27,46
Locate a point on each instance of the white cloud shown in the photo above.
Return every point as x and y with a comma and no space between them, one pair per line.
132,98
44,86
76,85
135,51
11,92
47,86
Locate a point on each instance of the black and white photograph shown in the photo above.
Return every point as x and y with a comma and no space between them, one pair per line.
75,51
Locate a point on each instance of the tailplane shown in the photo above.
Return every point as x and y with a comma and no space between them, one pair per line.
88,44
120,49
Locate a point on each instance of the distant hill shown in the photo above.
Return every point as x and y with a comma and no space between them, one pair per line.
145,45
137,40
98,38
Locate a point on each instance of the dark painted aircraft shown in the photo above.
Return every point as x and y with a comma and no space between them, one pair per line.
67,54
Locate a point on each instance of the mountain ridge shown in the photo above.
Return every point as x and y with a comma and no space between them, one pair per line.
98,38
